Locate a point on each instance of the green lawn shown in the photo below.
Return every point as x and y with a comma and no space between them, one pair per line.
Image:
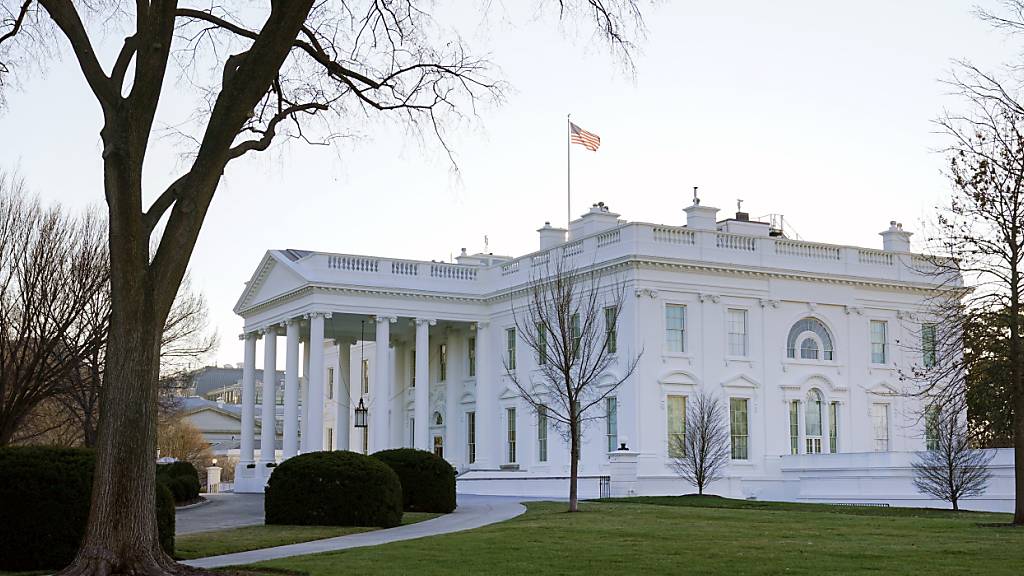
689,535
216,542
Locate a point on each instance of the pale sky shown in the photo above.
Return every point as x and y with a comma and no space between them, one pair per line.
821,111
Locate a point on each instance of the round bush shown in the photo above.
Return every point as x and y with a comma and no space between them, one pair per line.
333,489
428,480
182,478
44,499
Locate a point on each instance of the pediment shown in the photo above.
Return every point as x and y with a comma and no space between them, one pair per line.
678,378
272,278
741,381
883,389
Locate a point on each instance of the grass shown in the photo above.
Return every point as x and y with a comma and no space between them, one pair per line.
217,542
688,535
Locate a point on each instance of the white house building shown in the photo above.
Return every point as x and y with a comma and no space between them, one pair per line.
802,341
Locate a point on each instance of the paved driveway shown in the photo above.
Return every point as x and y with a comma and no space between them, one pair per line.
226,510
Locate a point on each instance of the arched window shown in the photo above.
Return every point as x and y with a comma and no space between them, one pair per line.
811,338
438,420
812,421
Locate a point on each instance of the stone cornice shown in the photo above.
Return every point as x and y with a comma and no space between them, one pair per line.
634,262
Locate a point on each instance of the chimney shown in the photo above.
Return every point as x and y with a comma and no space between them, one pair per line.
700,217
551,237
895,239
598,218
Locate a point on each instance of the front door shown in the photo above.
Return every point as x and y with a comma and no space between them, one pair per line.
439,446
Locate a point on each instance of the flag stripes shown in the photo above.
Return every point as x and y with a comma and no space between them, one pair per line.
588,140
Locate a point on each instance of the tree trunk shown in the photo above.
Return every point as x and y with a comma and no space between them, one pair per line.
121,533
574,465
1018,457
1016,378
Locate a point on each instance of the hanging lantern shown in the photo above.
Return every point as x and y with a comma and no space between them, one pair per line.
360,420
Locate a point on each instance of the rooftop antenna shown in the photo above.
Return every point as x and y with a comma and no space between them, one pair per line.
739,205
696,200
487,245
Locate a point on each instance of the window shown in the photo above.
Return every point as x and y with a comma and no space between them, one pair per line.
442,362
542,434
794,427
737,319
542,344
611,423
438,419
611,315
878,346
511,340
833,427
739,427
471,354
931,427
880,423
412,432
812,422
576,333
366,440
413,381
675,328
329,436
811,338
330,382
928,345
471,436
676,409
366,376
510,416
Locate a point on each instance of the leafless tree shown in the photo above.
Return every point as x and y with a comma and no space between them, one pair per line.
951,469
569,325
277,68
53,268
701,454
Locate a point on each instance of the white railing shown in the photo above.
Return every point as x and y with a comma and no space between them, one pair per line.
510,268
540,259
876,257
806,250
673,235
572,249
735,242
453,271
353,263
405,268
606,238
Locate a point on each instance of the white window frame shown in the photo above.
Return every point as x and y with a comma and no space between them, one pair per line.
510,434
745,352
471,436
611,331
669,434
611,427
884,343
510,347
542,434
887,411
685,330
732,434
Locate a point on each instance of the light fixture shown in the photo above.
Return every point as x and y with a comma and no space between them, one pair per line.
360,420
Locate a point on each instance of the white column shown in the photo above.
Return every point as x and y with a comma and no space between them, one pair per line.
268,428
315,400
421,413
453,386
248,400
487,421
304,401
344,396
291,389
381,383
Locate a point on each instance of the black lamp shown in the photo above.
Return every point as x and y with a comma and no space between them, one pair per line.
361,415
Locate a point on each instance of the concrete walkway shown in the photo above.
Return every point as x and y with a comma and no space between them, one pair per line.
472,512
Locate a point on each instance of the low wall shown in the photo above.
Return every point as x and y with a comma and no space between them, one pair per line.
499,483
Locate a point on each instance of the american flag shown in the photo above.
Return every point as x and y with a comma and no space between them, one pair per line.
589,140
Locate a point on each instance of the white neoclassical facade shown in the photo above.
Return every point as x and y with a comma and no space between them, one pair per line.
802,341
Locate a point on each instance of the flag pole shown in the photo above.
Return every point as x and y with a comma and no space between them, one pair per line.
568,170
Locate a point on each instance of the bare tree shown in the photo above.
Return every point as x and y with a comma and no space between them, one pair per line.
179,438
53,268
951,469
569,324
701,454
276,69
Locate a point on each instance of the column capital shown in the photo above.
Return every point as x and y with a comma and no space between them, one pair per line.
713,298
311,315
767,303
480,324
380,319
292,321
427,321
269,329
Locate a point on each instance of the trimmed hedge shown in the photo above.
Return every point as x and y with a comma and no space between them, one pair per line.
333,489
44,505
428,480
182,479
